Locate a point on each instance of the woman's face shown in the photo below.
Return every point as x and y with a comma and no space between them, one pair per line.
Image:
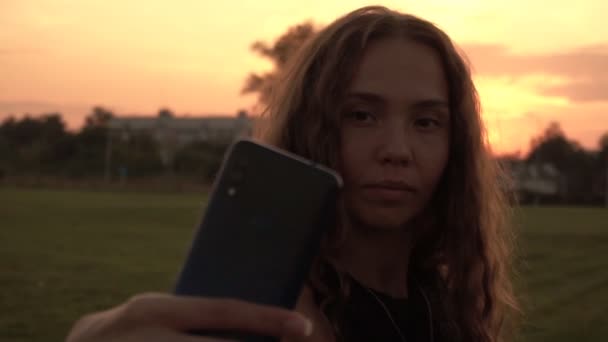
394,133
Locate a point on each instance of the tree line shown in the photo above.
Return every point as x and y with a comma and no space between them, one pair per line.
41,147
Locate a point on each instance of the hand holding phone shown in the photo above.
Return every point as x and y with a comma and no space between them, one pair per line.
262,228
152,317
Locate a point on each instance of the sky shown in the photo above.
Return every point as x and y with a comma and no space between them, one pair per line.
533,61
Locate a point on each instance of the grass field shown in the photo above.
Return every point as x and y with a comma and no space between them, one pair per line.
63,254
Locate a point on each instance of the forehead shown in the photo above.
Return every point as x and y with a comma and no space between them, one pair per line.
402,70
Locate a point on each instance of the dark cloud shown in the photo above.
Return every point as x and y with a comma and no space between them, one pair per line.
586,68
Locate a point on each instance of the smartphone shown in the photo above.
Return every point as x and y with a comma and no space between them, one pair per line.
261,229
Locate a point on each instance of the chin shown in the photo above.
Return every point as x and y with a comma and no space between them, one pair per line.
385,219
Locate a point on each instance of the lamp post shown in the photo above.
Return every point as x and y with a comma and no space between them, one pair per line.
108,157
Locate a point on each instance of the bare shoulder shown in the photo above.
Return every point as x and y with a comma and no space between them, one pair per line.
322,331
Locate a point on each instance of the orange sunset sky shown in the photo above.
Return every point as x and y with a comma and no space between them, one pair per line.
533,61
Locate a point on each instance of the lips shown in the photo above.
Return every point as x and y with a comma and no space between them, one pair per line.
389,191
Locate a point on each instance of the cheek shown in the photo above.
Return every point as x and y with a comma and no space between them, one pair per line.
352,155
348,166
432,164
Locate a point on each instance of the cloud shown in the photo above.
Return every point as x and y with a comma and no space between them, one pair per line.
581,91
583,72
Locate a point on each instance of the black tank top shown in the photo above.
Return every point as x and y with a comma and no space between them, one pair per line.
366,317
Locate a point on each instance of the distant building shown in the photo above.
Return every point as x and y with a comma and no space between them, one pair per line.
186,129
534,181
542,179
172,132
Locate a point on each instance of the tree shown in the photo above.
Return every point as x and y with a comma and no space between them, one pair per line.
603,142
576,165
551,146
280,52
34,145
91,144
139,155
165,113
602,167
100,117
200,160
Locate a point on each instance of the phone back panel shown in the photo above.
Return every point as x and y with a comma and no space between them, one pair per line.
262,227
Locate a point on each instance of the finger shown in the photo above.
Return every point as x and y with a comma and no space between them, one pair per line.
152,334
230,314
186,313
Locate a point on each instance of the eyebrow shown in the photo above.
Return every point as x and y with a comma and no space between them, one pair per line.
366,96
430,103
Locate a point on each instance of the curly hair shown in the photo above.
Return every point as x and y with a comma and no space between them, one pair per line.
470,240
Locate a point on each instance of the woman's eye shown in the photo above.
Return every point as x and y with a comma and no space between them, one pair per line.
361,116
427,123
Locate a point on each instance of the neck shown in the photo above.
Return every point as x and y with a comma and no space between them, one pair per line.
377,259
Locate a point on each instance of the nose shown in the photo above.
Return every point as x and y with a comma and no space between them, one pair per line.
395,147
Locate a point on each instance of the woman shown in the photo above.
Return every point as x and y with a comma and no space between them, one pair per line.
422,248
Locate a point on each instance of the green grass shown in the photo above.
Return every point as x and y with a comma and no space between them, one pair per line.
565,273
63,254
